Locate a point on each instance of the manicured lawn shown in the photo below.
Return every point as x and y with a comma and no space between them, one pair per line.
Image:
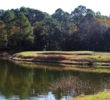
70,56
99,60
28,53
100,96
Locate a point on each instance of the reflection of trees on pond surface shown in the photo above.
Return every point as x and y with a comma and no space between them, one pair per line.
27,82
22,82
14,80
74,85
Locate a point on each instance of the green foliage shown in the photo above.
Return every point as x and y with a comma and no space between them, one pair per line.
14,81
52,32
8,16
39,36
3,35
23,34
31,29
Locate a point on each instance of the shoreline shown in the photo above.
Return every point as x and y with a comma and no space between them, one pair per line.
77,61
99,96
74,58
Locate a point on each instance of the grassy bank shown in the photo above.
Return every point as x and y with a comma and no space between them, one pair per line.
78,61
79,57
100,96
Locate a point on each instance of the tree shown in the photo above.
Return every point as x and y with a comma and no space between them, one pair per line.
3,35
39,43
26,28
78,14
24,34
67,28
52,32
32,14
91,33
105,40
98,14
8,16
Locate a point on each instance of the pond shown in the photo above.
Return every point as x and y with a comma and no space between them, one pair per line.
18,82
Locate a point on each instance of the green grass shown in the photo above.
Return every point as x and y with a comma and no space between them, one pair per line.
100,96
71,57
29,53
35,53
82,56
100,56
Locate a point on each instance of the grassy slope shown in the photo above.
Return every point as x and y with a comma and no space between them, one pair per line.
63,56
100,96
51,55
31,53
70,56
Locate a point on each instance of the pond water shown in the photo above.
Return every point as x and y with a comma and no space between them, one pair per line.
18,82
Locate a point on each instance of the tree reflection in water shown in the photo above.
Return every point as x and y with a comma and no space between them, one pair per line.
14,80
71,86
21,82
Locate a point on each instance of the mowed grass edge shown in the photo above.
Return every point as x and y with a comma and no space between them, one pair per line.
99,96
35,53
72,55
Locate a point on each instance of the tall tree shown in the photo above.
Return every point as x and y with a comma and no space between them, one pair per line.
3,35
52,31
24,34
78,14
67,27
32,14
39,43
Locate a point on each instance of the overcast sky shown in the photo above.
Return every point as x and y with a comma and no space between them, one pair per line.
50,6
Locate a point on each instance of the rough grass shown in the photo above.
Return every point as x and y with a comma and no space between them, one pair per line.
89,54
100,96
71,57
34,53
100,56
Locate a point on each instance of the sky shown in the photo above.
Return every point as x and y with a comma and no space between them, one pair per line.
50,6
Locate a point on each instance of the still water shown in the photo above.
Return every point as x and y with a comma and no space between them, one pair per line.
19,82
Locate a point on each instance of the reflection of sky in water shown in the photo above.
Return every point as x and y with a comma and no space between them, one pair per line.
13,98
50,96
2,98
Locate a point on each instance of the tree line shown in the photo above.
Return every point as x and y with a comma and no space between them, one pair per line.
31,29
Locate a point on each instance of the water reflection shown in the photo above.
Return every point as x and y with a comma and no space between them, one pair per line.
17,81
14,80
